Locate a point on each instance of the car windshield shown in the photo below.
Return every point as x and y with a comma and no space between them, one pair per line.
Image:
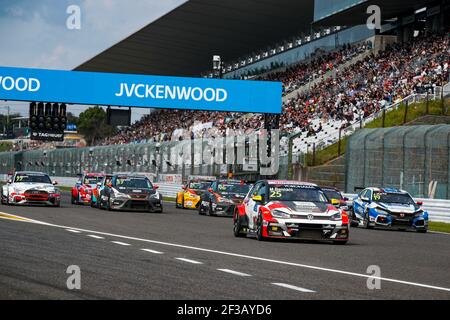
199,185
296,193
127,182
92,179
35,178
332,194
233,188
402,198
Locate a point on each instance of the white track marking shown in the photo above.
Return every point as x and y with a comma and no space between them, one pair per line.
236,273
94,236
189,261
73,231
288,286
231,254
121,243
152,251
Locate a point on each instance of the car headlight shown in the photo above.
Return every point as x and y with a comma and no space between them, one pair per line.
156,195
121,195
280,214
418,213
336,216
381,211
225,200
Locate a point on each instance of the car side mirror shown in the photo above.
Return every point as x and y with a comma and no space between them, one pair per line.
99,184
9,181
210,190
155,186
109,185
365,199
55,183
257,198
335,202
419,203
183,187
345,199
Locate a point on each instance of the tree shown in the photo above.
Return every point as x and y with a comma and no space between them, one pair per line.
92,124
71,118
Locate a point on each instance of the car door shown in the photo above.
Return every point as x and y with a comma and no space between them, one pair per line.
249,203
252,206
207,198
358,204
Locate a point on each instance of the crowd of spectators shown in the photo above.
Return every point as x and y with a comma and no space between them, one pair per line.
372,83
346,93
356,91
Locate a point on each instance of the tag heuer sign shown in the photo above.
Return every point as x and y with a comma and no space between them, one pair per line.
47,136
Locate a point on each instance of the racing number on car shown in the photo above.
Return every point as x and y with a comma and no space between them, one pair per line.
275,193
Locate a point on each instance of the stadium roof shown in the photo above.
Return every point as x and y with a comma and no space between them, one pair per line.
357,14
183,41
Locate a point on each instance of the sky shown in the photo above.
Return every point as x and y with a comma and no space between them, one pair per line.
33,33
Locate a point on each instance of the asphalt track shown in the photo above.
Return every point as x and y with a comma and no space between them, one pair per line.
181,255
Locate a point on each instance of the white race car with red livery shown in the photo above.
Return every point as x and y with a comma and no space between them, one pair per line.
290,209
31,188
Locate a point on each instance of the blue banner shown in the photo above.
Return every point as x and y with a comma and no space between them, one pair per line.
111,89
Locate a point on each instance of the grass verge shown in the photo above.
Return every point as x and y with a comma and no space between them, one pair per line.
439,226
393,118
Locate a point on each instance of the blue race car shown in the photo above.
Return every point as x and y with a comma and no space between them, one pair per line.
389,208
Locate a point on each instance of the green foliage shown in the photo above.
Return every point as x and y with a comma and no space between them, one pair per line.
92,124
392,119
5,146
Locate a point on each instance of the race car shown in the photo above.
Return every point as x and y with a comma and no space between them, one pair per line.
389,208
189,197
31,188
130,192
85,187
290,210
222,197
336,197
100,186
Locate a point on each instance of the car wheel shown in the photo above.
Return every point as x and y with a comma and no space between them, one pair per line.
259,228
108,204
341,243
210,210
422,231
200,210
73,200
367,221
353,221
237,229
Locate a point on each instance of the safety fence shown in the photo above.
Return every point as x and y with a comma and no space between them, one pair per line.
414,158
